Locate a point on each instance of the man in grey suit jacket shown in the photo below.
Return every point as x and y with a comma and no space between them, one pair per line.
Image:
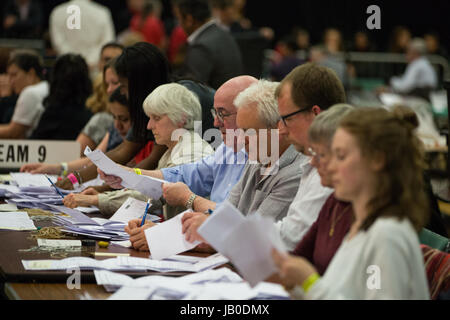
213,56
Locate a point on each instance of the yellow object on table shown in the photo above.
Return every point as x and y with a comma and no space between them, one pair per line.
103,244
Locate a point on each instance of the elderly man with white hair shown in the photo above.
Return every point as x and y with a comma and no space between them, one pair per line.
419,73
271,177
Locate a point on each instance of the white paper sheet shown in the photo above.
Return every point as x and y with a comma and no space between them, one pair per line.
246,241
217,228
217,284
8,207
18,220
148,186
125,263
25,179
166,239
129,210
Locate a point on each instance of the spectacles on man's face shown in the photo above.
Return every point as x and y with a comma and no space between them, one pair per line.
288,117
313,153
220,114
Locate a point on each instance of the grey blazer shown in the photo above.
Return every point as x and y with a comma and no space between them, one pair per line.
213,57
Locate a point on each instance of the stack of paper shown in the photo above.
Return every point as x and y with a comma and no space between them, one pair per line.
18,220
126,263
246,241
211,284
25,179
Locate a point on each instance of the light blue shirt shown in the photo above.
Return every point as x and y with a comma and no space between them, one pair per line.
212,176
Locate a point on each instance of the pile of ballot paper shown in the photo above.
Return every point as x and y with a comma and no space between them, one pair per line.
218,284
127,263
35,191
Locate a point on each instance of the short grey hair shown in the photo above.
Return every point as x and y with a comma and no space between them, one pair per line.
177,102
418,45
324,126
263,94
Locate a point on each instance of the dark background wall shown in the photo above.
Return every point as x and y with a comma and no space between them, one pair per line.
316,15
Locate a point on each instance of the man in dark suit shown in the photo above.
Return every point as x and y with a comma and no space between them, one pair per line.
213,56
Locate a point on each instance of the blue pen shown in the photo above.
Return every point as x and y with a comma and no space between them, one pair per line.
145,214
56,188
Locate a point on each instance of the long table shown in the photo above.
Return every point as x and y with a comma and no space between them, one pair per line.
19,283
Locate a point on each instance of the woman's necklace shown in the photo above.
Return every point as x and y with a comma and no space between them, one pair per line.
335,220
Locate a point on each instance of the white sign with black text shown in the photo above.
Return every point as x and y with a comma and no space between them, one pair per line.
15,153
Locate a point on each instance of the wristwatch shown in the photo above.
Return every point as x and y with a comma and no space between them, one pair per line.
190,202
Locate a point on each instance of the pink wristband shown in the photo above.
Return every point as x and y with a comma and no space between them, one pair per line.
74,180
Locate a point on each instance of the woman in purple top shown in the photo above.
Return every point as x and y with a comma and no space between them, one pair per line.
325,236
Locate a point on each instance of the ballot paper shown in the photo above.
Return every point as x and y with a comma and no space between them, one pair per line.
166,239
125,263
247,242
6,188
220,284
8,207
217,228
133,209
74,216
18,220
112,279
25,179
148,186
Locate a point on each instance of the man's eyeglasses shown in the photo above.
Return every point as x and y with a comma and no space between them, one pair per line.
286,117
220,114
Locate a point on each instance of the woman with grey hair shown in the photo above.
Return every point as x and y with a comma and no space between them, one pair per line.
172,110
324,237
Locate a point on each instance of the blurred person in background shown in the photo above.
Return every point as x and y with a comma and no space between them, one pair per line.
146,20
94,131
332,41
321,56
65,111
22,19
26,79
434,46
420,77
8,98
287,59
212,56
400,38
95,29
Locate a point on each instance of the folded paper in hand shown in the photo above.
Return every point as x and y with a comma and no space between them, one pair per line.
148,186
246,241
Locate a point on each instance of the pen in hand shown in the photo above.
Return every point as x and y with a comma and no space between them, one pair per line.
145,213
56,188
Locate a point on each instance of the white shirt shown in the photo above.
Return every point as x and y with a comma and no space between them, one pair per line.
384,262
29,108
419,74
305,207
96,29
